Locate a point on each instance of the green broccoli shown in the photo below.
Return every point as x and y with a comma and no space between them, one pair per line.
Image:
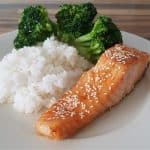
74,20
103,35
21,40
35,26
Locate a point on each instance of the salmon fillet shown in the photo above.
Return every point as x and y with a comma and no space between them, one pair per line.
98,89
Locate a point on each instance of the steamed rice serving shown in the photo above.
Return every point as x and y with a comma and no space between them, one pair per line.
34,77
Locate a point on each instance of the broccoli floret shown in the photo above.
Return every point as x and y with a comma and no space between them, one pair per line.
21,40
103,35
35,26
74,20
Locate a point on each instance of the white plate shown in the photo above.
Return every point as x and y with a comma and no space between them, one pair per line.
126,126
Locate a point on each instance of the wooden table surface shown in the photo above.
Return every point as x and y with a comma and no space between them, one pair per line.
130,15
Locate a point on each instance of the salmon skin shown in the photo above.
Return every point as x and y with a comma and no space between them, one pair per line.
104,85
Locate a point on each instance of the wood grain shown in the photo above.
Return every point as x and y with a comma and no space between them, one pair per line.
130,15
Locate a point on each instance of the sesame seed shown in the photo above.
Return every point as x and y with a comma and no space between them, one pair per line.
91,106
96,101
87,111
82,115
83,105
72,114
77,92
112,83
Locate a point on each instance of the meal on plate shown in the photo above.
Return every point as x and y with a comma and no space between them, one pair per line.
76,68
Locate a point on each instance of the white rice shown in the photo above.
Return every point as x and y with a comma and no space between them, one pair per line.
35,77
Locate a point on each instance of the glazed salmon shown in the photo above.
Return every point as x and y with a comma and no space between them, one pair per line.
98,89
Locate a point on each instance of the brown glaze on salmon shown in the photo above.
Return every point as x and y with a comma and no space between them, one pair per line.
98,89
